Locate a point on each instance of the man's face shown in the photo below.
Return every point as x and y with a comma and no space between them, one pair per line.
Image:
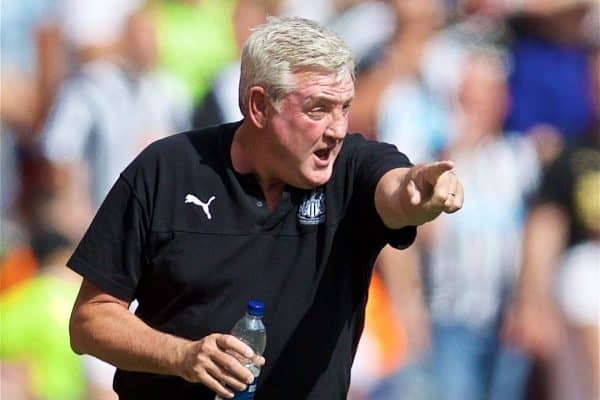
308,129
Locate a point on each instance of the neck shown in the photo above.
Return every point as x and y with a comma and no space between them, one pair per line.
249,156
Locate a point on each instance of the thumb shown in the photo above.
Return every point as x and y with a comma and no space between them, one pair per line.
431,172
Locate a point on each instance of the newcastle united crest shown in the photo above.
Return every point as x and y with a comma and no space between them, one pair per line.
312,211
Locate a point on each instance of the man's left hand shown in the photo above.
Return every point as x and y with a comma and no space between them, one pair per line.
419,194
433,188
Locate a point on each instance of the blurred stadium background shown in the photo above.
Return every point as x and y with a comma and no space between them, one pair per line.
499,301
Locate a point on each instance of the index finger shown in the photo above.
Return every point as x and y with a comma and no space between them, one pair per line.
229,342
431,172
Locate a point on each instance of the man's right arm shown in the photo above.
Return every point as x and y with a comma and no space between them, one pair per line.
101,325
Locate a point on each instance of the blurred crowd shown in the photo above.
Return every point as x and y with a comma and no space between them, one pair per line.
498,301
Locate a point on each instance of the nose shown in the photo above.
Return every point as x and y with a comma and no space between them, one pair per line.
337,128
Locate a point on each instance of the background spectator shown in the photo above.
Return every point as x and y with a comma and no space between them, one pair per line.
195,40
35,320
114,104
551,78
470,262
220,103
562,235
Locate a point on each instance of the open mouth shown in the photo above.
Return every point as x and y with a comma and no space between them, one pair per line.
323,154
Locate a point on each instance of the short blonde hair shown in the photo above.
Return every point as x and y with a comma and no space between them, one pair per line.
284,46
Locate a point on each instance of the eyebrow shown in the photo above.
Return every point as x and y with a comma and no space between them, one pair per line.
327,99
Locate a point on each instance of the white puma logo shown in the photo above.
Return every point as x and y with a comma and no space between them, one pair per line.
190,198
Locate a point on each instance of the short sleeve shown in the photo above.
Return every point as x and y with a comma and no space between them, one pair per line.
371,160
556,184
365,162
112,252
401,238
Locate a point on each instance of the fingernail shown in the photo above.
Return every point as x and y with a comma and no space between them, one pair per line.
250,380
229,395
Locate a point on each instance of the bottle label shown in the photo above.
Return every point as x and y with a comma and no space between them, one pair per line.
247,394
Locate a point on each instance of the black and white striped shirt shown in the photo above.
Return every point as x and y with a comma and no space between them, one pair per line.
104,116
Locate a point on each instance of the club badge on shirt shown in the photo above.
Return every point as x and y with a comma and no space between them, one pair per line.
312,210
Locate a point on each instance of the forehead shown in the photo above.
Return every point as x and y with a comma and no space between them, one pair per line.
334,87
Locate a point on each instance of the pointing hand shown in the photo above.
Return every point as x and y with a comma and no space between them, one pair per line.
432,189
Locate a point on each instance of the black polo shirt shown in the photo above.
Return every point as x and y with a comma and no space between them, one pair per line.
192,241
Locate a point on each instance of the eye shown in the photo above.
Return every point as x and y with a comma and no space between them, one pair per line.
317,113
346,108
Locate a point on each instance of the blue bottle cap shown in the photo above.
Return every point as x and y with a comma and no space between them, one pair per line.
256,308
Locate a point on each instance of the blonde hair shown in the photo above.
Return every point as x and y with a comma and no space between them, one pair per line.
284,46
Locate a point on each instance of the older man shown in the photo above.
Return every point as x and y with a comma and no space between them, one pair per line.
283,206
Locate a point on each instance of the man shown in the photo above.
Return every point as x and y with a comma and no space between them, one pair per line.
283,207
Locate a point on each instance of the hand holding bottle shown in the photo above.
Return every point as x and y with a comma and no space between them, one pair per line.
215,362
251,331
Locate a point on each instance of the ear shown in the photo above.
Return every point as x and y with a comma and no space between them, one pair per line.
258,105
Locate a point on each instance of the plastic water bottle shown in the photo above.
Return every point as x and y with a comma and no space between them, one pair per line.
250,330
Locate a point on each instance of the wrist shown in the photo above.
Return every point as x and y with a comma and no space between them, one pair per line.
176,355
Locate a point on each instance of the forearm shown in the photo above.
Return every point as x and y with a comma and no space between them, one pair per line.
392,199
416,195
400,271
108,330
544,241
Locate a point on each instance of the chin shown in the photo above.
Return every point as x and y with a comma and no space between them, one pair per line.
316,179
